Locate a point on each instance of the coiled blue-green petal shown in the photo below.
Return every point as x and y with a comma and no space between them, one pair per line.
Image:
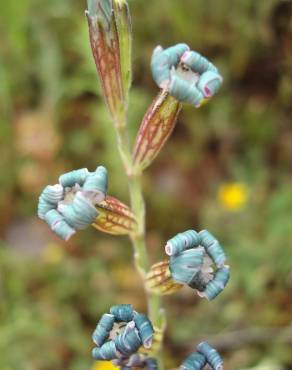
217,285
84,209
197,62
44,208
103,329
163,60
212,356
145,329
52,193
184,266
107,351
122,312
58,224
194,361
71,217
96,184
49,198
128,342
212,247
182,241
209,83
184,91
72,178
80,213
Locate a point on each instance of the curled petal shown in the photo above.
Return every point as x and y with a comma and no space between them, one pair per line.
156,343
163,60
182,241
122,312
128,342
103,329
145,329
96,184
108,351
74,177
212,356
217,285
59,225
185,266
159,280
114,217
197,62
48,200
195,361
157,125
212,247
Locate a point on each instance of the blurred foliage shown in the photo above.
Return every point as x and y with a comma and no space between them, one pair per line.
53,119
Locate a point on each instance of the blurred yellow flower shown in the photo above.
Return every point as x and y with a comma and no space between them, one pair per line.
104,365
233,196
53,253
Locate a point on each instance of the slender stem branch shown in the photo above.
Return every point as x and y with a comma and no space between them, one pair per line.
156,314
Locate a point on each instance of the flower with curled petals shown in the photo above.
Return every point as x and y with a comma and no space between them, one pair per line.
196,260
120,334
70,205
184,74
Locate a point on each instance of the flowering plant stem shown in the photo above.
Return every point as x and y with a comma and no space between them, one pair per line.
141,258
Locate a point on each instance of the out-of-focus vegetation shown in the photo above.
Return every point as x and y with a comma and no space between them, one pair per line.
227,168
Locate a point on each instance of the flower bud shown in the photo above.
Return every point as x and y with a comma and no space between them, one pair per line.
110,37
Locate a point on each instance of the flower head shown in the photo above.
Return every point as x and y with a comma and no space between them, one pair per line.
70,205
120,333
197,260
186,75
205,355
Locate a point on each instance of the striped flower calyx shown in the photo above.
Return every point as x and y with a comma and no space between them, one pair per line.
120,334
184,74
70,205
159,280
111,43
196,260
205,355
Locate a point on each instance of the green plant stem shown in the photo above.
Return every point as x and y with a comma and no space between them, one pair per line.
141,258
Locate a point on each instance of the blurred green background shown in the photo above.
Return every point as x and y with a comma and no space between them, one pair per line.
227,168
